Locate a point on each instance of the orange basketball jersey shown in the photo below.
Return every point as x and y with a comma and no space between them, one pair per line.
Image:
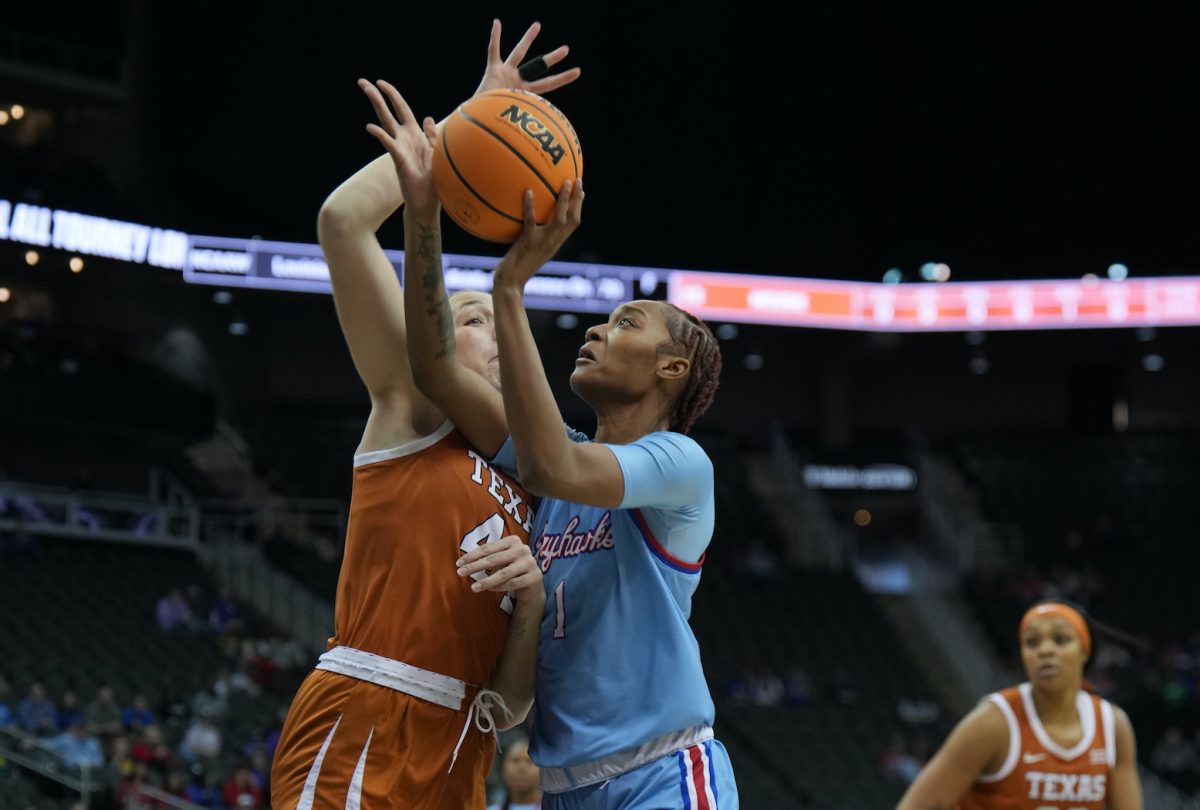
1039,774
414,510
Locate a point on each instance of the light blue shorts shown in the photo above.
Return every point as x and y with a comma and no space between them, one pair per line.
696,778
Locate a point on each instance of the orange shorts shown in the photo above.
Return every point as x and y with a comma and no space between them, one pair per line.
353,744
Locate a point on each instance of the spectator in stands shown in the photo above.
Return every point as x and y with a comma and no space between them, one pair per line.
241,791
202,740
797,688
7,716
260,770
257,665
129,791
756,685
202,789
176,784
153,750
78,747
520,777
36,714
104,714
138,715
230,682
120,763
272,738
69,710
207,702
224,613
174,611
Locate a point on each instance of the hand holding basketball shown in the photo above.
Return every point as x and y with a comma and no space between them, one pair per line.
538,243
409,144
492,148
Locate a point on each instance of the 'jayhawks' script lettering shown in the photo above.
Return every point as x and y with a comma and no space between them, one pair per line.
572,543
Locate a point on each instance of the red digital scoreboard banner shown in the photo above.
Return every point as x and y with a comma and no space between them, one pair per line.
955,306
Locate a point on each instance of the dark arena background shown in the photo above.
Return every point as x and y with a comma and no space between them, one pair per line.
951,256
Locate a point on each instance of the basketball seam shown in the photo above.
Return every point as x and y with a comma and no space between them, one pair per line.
510,148
469,187
566,138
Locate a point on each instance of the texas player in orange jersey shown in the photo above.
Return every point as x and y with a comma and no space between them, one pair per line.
399,711
1047,744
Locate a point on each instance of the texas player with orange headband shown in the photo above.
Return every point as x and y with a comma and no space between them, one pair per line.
1047,744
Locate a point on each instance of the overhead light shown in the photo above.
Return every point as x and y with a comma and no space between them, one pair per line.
979,365
1153,362
753,361
727,331
222,297
893,276
18,112
76,264
5,294
567,320
862,517
238,328
941,272
1118,272
31,257
3,117
1145,334
928,270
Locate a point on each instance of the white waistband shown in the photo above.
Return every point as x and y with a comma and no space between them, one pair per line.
440,689
557,780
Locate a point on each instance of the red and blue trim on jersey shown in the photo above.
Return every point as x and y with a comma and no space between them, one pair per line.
697,777
659,551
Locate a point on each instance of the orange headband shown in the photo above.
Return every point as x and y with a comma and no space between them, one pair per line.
1060,611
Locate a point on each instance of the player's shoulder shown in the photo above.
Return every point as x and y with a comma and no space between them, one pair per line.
675,443
990,717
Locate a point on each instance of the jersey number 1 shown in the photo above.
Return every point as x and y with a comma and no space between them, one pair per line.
560,610
491,529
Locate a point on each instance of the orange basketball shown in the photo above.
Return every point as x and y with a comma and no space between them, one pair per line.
492,148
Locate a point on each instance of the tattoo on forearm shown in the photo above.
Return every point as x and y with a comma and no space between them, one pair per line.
521,628
437,306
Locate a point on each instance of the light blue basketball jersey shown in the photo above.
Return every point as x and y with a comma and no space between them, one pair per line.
618,664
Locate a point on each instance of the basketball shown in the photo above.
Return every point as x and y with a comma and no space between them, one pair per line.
492,148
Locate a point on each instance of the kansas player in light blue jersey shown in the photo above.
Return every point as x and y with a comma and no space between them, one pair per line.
623,717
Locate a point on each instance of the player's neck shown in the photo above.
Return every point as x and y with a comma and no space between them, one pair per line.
625,423
1055,707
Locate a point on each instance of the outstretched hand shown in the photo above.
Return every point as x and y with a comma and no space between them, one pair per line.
409,143
537,244
503,74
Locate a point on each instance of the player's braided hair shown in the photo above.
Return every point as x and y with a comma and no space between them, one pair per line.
692,339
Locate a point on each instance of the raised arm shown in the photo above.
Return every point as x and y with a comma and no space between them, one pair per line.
367,294
977,745
549,463
469,400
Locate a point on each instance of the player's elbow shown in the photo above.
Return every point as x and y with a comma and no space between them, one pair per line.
335,219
